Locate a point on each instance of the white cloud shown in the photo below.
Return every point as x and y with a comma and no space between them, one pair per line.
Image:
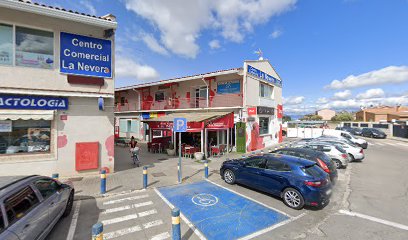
180,27
89,7
275,34
153,44
391,74
371,93
293,100
342,95
126,67
214,44
322,100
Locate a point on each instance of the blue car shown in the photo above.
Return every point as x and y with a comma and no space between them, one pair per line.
297,181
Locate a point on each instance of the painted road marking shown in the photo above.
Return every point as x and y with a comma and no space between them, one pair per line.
126,199
74,221
121,232
127,207
152,224
204,199
232,217
119,219
161,236
374,219
147,213
189,224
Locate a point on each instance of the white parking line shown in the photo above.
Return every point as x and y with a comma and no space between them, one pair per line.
119,219
127,207
125,199
189,224
402,144
147,213
74,220
152,224
121,232
374,219
161,236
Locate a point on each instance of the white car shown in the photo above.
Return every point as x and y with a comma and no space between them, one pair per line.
359,141
355,152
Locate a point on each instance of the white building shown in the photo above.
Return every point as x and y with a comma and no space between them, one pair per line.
56,74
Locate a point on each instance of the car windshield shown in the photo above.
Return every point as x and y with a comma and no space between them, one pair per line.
376,131
312,170
340,149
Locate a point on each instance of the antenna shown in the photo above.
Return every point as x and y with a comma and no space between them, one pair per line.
260,54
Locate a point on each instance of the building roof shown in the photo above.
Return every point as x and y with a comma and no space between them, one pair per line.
385,110
180,79
57,12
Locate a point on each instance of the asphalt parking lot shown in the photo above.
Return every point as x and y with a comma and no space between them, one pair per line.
369,201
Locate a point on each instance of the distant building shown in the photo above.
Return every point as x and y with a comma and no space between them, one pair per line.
382,113
326,114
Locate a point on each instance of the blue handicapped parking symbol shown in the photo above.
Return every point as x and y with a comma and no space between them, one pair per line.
204,199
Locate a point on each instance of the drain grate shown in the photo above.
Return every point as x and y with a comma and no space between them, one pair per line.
159,174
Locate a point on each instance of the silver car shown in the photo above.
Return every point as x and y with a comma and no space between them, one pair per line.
336,153
30,206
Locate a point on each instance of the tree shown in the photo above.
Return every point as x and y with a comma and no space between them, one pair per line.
343,117
286,118
311,117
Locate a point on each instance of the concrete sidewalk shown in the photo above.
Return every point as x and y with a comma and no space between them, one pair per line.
163,172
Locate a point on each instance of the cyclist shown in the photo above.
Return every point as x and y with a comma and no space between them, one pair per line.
134,150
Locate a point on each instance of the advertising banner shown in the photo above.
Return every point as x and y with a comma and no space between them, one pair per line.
33,102
258,73
280,111
87,56
229,87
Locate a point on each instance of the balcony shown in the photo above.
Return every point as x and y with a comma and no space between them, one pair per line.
215,101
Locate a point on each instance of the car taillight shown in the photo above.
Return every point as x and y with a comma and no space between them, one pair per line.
323,165
361,151
314,183
344,156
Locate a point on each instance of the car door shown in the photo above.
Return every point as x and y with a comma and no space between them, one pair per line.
274,177
249,174
49,190
26,217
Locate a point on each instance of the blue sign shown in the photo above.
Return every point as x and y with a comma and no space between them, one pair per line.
218,213
87,56
180,125
258,73
33,102
228,87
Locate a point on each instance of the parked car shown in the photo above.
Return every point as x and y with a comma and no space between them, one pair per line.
361,142
320,158
297,181
373,133
354,131
30,206
355,152
335,152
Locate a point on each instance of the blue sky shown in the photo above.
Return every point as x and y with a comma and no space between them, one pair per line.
360,43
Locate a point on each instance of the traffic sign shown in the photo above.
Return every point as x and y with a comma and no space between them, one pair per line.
180,125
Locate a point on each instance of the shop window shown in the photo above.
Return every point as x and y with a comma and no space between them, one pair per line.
34,48
25,136
265,90
6,44
263,125
159,96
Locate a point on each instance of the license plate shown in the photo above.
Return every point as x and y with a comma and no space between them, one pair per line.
328,192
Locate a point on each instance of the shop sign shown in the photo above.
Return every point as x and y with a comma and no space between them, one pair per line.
6,126
226,121
229,87
265,110
87,56
280,111
33,102
252,111
258,73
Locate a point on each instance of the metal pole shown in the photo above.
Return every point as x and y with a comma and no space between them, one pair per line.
206,169
144,177
175,220
103,181
179,163
97,231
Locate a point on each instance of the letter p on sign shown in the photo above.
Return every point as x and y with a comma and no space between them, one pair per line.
180,125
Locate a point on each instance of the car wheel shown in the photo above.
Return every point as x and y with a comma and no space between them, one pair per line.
70,202
229,176
352,159
293,199
338,163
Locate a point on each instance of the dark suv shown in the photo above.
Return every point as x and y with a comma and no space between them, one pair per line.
373,133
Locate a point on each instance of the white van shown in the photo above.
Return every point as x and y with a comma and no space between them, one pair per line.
337,133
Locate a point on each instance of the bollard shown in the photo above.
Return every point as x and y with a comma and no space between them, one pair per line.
97,231
103,181
55,176
206,169
144,177
175,220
